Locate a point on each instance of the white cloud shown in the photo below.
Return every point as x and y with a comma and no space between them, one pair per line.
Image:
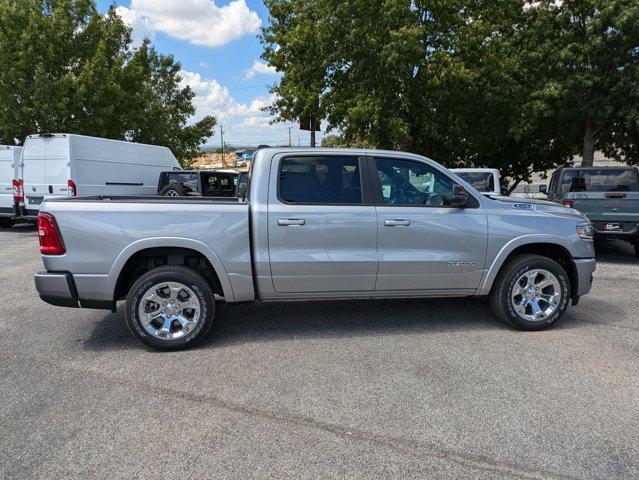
139,25
259,67
244,123
200,22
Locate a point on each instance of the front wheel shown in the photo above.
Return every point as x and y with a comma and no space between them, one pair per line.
170,307
531,293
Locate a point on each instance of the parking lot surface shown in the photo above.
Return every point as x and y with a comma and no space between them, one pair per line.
354,389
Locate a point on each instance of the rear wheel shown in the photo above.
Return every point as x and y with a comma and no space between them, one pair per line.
173,191
531,292
170,308
6,222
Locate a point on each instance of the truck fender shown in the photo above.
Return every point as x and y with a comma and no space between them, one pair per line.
178,242
508,248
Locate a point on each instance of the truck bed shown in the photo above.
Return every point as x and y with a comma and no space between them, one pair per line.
149,199
101,232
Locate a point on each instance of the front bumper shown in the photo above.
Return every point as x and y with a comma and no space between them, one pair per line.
585,268
58,288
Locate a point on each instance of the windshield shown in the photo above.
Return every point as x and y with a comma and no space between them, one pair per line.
481,181
604,180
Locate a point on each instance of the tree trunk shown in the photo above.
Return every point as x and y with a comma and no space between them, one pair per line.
588,154
312,136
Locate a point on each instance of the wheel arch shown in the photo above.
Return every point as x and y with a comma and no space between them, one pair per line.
553,247
171,248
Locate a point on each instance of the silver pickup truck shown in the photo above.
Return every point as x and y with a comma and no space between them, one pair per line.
313,224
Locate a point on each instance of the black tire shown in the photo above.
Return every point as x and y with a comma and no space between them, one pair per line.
6,222
171,273
637,248
501,302
173,191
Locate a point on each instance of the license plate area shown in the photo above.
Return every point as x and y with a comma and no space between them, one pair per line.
612,227
35,200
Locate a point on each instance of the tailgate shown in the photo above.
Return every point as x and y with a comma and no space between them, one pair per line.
607,206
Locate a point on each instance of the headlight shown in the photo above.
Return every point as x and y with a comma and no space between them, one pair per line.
585,230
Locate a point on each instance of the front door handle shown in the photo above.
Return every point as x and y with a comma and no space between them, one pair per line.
396,223
291,222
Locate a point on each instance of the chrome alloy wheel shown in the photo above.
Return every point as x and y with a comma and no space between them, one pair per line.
536,295
169,310
171,193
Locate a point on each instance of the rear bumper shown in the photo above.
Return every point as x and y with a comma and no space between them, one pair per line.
585,268
58,288
6,212
630,230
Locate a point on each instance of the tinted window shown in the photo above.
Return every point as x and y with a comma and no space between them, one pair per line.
600,180
407,183
481,181
320,180
188,180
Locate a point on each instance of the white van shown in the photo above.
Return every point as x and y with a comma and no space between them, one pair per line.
9,161
60,164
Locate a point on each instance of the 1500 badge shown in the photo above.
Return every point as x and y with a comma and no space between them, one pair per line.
460,264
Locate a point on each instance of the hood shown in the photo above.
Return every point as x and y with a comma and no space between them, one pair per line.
532,207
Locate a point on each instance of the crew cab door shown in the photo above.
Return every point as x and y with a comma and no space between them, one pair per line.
322,226
424,244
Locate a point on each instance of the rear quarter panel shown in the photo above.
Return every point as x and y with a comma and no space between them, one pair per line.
101,236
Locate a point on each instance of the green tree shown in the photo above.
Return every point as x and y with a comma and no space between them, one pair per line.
466,83
67,68
588,51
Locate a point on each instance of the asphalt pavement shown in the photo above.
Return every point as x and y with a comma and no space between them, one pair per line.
353,389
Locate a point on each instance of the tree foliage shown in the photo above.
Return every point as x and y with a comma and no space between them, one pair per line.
464,82
67,68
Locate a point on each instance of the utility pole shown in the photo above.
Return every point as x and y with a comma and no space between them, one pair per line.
290,143
222,135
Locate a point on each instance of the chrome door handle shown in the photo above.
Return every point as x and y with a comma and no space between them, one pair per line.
291,222
396,223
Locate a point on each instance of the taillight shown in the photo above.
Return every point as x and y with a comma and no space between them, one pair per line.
49,235
568,203
18,190
72,191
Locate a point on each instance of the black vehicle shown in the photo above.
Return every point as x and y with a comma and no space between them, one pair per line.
198,183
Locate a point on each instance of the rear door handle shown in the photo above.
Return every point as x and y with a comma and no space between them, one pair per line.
396,223
291,222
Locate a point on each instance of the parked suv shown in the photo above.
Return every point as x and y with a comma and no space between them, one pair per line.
608,196
198,183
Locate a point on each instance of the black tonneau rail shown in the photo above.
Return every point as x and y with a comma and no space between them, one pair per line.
148,199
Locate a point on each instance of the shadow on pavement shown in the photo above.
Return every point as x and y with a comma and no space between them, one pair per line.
281,321
616,251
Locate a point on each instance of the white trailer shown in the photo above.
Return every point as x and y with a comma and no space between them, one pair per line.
9,161
61,164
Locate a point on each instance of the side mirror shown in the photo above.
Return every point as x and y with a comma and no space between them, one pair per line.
503,189
543,188
460,197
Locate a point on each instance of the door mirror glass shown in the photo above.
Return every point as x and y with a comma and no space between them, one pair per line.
543,189
460,197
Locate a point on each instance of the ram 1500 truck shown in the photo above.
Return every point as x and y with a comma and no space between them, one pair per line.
313,224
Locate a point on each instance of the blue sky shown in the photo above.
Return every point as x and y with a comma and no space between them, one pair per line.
217,44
